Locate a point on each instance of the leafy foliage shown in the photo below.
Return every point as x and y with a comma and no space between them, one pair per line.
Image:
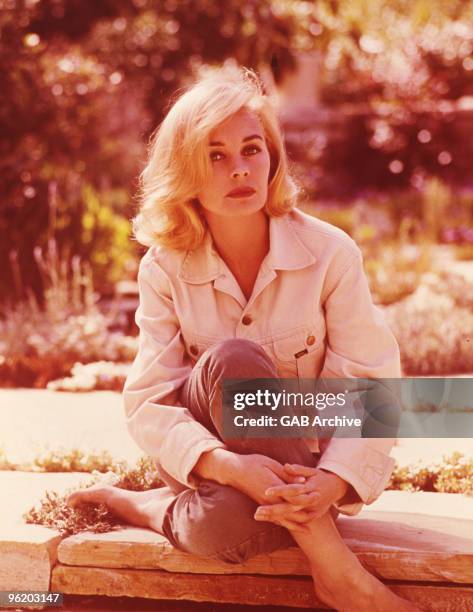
73,460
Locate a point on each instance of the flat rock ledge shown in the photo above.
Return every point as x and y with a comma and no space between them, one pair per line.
28,554
427,559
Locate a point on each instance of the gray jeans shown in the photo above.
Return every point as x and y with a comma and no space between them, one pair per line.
216,520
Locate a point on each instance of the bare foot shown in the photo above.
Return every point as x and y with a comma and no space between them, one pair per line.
135,507
360,592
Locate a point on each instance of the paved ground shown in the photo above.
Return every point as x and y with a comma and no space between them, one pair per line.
31,420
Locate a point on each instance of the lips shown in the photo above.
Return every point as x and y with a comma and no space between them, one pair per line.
241,192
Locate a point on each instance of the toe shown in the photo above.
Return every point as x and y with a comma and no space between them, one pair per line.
72,499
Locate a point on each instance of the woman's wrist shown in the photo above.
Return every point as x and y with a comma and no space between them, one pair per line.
341,486
219,465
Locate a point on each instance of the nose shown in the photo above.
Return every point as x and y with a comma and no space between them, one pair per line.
239,172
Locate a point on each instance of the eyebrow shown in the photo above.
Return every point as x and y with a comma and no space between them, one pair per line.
216,143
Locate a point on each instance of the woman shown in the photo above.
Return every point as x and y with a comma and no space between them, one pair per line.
237,283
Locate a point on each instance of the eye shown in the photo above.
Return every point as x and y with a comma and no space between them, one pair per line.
251,149
216,155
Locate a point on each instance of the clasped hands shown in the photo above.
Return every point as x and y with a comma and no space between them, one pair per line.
308,494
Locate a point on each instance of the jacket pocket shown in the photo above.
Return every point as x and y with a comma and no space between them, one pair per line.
302,351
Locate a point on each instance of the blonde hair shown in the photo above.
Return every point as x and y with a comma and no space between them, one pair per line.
178,162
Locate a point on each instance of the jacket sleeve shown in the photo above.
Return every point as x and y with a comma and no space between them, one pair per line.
156,420
360,345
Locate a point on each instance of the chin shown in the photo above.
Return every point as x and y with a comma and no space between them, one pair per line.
243,211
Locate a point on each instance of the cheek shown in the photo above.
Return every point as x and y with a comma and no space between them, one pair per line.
262,167
213,179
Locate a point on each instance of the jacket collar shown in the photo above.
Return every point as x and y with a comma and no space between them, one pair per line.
286,252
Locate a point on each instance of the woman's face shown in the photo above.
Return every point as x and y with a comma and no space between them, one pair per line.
240,164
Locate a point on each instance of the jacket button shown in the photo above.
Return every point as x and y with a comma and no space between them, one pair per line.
246,320
310,340
193,349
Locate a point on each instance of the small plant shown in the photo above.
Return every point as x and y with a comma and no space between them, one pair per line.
53,511
42,343
435,205
453,475
61,460
395,270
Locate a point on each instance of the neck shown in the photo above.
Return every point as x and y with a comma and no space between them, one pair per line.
240,240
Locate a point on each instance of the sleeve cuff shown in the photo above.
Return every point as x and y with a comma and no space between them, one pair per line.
182,448
365,468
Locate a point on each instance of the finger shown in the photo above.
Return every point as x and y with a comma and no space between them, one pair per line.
286,490
277,469
303,517
308,499
284,511
292,478
275,511
277,508
299,470
285,522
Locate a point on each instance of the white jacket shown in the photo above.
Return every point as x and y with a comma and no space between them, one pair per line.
311,293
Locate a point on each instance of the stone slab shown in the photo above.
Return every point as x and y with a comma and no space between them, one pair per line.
27,556
396,546
243,589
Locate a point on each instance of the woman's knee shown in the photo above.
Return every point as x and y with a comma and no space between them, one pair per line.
238,357
217,521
